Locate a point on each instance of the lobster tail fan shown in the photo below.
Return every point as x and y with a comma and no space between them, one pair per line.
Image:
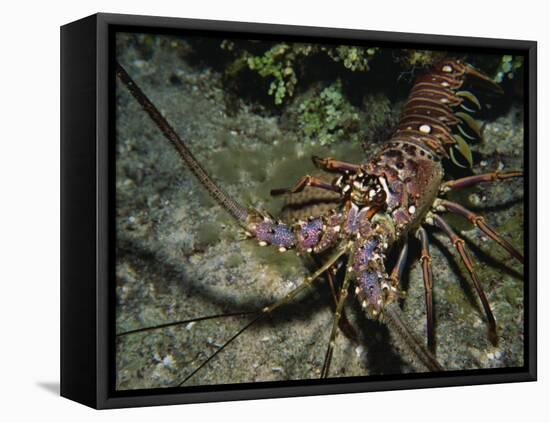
437,114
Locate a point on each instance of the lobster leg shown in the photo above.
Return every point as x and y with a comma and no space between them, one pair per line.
345,325
476,179
397,271
332,165
479,222
336,320
461,248
306,181
426,263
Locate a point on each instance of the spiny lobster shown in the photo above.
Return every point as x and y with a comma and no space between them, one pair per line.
384,201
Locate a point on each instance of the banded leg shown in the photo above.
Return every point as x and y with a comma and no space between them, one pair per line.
308,281
426,263
335,322
461,248
332,165
399,267
393,318
479,222
306,181
345,325
476,179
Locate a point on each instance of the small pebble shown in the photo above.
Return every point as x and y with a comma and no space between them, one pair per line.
138,63
474,199
168,361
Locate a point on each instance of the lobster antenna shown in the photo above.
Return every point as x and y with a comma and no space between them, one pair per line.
237,211
183,322
219,350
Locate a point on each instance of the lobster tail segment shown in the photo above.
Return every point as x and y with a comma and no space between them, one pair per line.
437,114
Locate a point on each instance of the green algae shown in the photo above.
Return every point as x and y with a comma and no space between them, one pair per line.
326,117
508,67
283,63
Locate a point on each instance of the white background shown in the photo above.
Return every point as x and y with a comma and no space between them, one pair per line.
29,213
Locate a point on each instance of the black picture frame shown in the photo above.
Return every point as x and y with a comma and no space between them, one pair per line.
87,233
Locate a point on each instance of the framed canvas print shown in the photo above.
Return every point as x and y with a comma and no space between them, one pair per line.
255,211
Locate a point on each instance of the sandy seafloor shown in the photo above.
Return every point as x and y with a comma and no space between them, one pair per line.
179,256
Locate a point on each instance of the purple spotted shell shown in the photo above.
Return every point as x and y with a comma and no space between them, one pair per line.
310,233
364,254
370,287
275,234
